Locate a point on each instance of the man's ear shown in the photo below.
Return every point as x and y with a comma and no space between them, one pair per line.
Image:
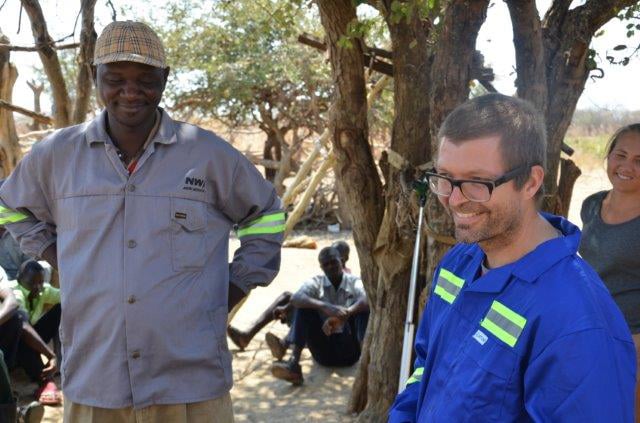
535,181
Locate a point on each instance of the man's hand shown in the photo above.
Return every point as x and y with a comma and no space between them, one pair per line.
280,313
50,368
333,325
331,310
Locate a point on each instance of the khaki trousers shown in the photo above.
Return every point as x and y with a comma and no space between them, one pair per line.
217,410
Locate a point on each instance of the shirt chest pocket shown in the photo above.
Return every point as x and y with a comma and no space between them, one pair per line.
188,230
482,376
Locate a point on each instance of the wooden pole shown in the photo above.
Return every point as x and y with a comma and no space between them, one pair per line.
298,211
291,191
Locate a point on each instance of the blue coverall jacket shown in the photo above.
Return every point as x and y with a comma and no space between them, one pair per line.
539,340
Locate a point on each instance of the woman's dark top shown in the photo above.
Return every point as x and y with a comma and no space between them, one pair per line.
614,252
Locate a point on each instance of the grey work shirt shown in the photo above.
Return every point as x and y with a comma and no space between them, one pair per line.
143,257
348,293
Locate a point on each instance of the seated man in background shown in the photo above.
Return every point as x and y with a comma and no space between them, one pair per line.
277,310
10,330
330,318
9,411
39,307
344,250
280,309
10,323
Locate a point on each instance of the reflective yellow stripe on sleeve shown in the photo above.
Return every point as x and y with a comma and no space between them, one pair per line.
448,285
268,224
11,216
416,376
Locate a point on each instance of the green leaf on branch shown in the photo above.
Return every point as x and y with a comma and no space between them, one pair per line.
345,42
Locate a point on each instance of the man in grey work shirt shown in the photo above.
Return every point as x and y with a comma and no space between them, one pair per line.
330,318
135,209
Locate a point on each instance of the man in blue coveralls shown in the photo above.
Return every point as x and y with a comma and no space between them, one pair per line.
517,327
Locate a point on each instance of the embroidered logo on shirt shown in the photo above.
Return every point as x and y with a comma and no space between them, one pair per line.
180,215
480,337
194,184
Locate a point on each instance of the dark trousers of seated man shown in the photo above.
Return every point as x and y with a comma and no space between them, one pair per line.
17,351
336,350
7,402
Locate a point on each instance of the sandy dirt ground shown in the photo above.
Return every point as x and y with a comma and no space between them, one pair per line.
257,396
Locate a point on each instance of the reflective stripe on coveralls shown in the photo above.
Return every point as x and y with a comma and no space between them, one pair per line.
416,376
504,323
448,286
11,216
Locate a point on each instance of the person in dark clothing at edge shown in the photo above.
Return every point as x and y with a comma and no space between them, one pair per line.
611,224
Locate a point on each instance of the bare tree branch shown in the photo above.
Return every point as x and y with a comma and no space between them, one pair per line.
84,60
598,12
478,71
75,25
20,18
556,13
37,116
114,16
41,46
369,59
530,60
50,62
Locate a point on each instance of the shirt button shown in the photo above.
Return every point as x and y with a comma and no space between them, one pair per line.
135,354
131,188
131,299
132,244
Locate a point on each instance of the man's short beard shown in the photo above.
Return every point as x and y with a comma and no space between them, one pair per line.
496,233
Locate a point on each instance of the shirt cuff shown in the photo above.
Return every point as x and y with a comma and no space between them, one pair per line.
242,287
44,246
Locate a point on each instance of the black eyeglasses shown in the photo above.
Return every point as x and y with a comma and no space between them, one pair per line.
472,189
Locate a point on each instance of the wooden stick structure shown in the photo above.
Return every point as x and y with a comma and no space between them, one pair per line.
37,116
301,206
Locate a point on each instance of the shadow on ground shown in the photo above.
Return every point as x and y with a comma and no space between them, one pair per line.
259,397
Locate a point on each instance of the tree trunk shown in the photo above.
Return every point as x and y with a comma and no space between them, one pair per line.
9,147
84,81
271,152
286,157
530,64
50,63
450,74
394,244
355,169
